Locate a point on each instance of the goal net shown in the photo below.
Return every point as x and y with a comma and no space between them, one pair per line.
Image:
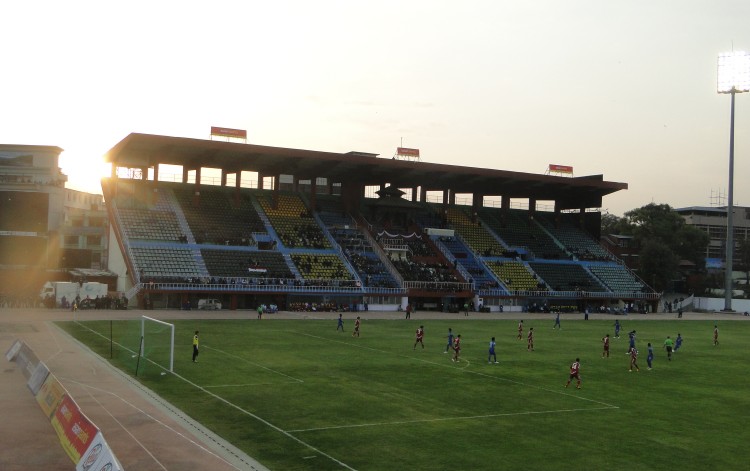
157,342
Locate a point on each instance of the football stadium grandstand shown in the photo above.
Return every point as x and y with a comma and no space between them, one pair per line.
290,228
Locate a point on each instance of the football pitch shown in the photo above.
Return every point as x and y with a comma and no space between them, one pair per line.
298,394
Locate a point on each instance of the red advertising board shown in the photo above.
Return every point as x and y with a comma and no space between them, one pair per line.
407,151
74,429
228,132
560,168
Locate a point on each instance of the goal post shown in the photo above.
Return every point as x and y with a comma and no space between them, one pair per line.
159,335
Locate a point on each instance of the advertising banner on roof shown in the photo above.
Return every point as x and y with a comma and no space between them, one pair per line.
560,168
407,151
228,132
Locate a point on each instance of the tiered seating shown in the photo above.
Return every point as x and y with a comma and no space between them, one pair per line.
321,267
516,276
566,277
331,212
235,263
517,230
165,262
482,279
351,239
421,271
578,242
371,270
362,256
617,278
293,222
216,220
480,241
146,224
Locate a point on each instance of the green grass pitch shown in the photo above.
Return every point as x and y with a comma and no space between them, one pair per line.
298,395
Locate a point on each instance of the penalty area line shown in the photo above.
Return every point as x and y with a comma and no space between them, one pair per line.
444,419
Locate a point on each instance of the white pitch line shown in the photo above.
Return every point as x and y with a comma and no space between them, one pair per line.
264,422
254,364
246,412
445,419
498,378
151,417
250,384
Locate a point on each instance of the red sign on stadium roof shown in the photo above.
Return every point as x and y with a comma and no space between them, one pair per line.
227,132
560,168
407,151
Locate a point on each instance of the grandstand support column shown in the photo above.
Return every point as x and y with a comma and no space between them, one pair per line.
452,197
237,182
260,181
532,207
295,184
233,302
422,194
313,192
155,185
557,214
144,173
276,190
477,201
505,202
223,177
185,174
197,193
413,194
445,197
582,218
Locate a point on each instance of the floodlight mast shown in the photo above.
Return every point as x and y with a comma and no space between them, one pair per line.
733,77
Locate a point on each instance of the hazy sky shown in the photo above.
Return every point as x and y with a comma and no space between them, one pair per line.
624,88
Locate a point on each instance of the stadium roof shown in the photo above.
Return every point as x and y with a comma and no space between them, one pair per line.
146,150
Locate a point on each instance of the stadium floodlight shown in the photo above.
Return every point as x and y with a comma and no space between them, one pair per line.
733,77
733,72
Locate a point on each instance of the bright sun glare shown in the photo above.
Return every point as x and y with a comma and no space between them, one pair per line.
84,171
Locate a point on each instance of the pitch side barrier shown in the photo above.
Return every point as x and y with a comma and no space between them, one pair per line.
275,288
80,438
571,294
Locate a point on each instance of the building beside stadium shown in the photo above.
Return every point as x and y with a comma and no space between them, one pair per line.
47,232
245,224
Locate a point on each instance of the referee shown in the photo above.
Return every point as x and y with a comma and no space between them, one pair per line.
195,347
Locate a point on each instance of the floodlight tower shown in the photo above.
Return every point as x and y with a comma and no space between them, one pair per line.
733,77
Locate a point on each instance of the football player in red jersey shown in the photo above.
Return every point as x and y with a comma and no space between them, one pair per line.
420,336
520,329
605,345
530,340
633,359
575,372
456,347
